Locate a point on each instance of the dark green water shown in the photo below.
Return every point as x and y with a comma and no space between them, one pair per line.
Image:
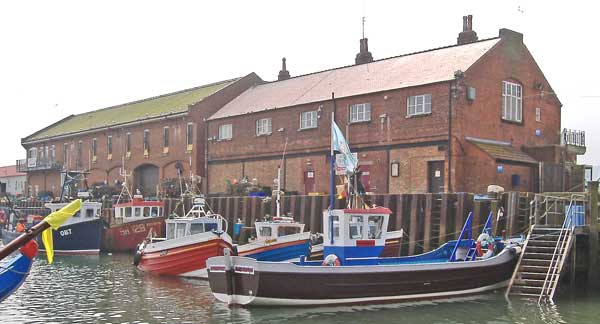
107,289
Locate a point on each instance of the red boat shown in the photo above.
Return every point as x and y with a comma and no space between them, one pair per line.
189,242
133,222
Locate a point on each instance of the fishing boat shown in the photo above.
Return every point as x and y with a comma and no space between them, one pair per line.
353,270
16,270
80,234
134,219
189,242
278,239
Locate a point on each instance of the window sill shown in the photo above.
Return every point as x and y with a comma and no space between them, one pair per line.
360,122
265,134
224,140
514,122
307,128
418,115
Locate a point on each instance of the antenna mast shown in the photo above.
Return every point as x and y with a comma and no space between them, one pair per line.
123,173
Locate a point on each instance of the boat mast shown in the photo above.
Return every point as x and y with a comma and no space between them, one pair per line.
125,190
279,179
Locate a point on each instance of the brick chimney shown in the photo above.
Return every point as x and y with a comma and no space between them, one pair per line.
364,56
284,74
467,35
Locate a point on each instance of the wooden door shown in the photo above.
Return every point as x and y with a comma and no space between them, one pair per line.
435,176
309,182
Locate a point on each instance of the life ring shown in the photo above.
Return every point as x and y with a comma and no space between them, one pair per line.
331,260
485,238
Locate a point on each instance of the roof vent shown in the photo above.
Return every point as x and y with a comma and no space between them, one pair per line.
467,35
284,74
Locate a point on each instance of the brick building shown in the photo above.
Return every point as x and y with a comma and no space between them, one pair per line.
151,136
455,118
12,182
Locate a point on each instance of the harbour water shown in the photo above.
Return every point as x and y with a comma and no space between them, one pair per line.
108,289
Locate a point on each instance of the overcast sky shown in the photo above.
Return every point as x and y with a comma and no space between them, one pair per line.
67,57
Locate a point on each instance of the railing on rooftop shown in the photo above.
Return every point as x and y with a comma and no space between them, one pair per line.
34,164
573,137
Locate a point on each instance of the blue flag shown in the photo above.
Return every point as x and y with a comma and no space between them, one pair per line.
339,144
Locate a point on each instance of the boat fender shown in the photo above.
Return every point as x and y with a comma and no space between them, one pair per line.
331,260
486,239
137,257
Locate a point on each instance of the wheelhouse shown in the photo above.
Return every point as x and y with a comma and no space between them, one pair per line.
199,219
138,209
277,227
89,211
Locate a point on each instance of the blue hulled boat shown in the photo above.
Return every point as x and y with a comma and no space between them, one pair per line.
15,271
82,233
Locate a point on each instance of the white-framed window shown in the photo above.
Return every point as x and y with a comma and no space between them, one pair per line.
53,152
263,126
418,105
165,136
225,132
146,141
190,134
538,114
360,112
512,101
94,149
308,119
109,144
128,143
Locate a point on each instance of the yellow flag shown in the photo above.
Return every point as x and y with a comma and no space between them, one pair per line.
60,216
48,246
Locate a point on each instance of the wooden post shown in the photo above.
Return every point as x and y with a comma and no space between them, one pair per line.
313,213
444,211
494,208
427,227
477,216
593,252
245,218
412,235
460,214
399,211
253,210
303,208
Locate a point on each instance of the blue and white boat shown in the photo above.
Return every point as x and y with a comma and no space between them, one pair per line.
14,272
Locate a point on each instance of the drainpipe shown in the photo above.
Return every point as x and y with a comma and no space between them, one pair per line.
450,93
206,143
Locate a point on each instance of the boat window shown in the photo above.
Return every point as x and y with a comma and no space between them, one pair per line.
154,212
375,224
336,225
210,227
196,228
180,230
127,211
170,231
77,214
137,212
355,227
118,212
287,230
89,212
265,231
146,211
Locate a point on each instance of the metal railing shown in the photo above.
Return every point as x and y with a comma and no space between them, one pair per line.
573,137
562,245
33,164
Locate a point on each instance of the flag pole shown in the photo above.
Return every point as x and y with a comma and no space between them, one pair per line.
332,176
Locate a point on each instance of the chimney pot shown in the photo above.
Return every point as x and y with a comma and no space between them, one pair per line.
467,35
284,74
364,56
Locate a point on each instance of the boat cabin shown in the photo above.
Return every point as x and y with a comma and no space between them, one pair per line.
138,209
199,219
355,233
90,210
276,227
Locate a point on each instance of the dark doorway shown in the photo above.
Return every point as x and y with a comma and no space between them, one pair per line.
146,179
309,182
435,176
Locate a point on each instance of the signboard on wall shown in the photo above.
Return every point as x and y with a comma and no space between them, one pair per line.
340,167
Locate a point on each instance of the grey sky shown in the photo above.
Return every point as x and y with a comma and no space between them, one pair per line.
66,57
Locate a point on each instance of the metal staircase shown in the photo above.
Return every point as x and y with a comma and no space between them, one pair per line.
546,248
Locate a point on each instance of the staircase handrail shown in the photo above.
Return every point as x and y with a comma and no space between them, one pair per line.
516,271
564,231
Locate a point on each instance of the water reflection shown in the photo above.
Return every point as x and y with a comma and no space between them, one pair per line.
108,289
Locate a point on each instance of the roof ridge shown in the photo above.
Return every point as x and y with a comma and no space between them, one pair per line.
157,97
382,59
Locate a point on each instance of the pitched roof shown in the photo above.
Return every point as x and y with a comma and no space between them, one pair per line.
10,171
392,73
502,151
167,104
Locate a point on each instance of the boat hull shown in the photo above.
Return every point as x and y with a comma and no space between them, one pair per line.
78,238
183,257
244,281
125,237
14,272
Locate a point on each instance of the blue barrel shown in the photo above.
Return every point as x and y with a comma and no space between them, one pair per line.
237,228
